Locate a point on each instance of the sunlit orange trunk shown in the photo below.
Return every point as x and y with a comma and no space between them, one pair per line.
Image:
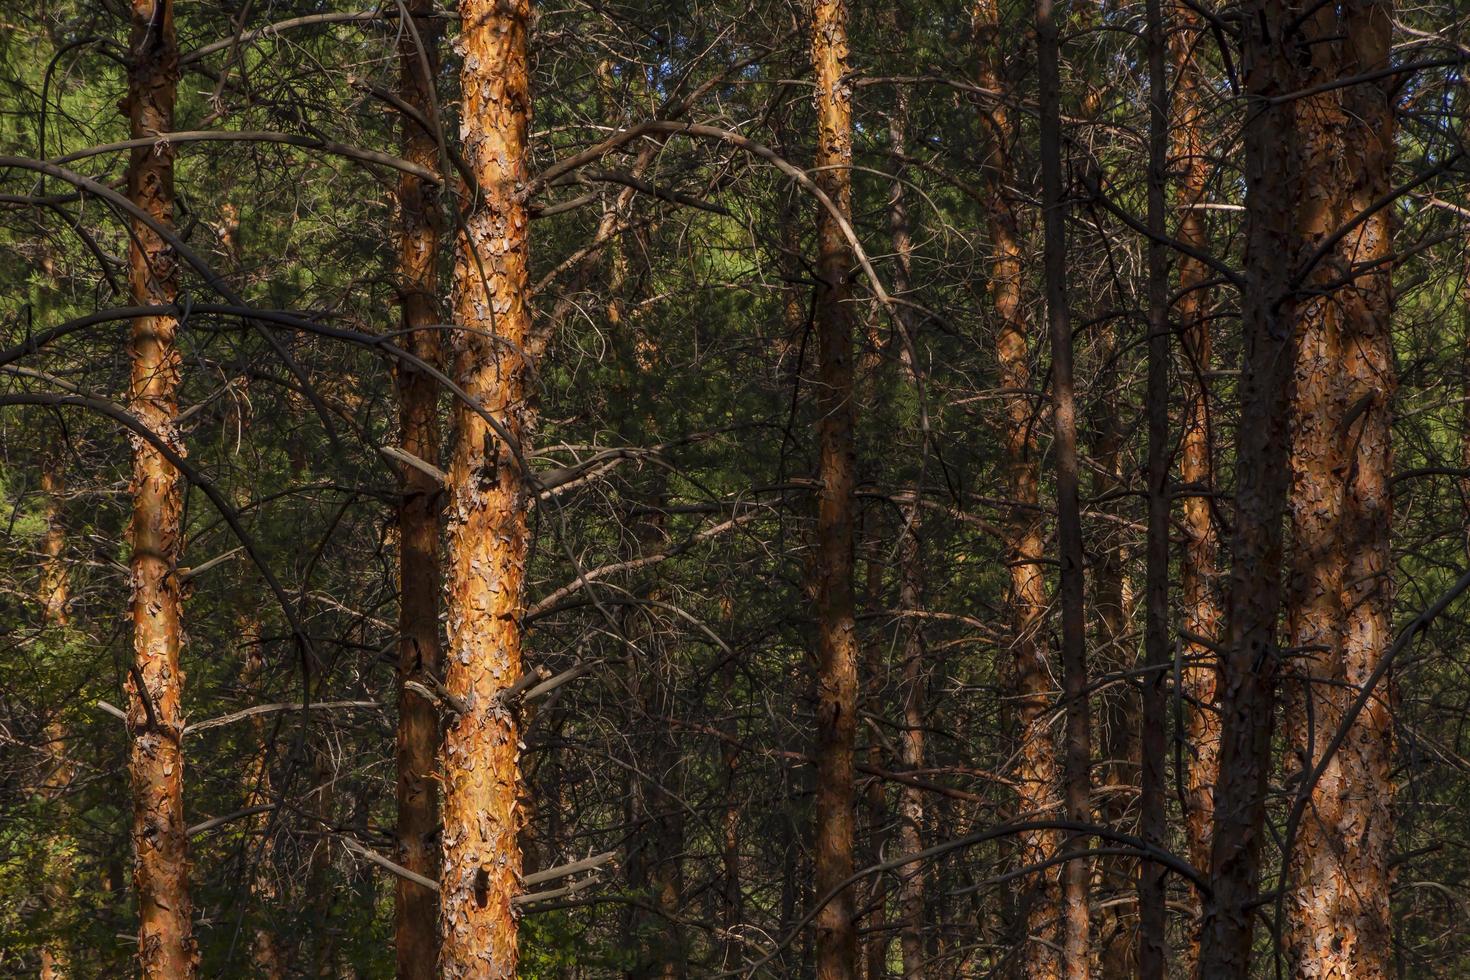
832,570
1341,510
489,501
166,947
1198,562
55,596
1030,671
416,909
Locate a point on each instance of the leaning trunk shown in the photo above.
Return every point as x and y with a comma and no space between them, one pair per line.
489,503
166,947
832,570
416,935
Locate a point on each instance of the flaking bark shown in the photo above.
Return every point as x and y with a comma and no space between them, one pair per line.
1198,561
166,947
1338,921
489,502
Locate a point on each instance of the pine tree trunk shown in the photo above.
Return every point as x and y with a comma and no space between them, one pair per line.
1198,569
659,801
266,951
166,947
55,596
912,893
1250,660
1030,668
1077,741
416,910
1338,921
1118,707
832,570
730,827
879,830
914,879
488,507
1153,951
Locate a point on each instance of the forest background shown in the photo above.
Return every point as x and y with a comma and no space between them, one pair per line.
926,489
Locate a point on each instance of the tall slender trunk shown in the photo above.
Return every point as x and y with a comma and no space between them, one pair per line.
1030,670
912,892
1153,819
416,911
166,947
913,881
55,596
880,828
489,503
1198,569
1464,481
1077,740
730,828
1250,659
656,862
266,950
837,648
319,951
1118,704
1341,509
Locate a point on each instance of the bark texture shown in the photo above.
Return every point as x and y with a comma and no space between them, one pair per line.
420,656
1250,661
166,947
1338,923
1198,561
832,571
489,502
1029,679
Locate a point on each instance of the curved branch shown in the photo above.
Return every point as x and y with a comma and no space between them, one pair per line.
232,517
744,143
257,136
165,232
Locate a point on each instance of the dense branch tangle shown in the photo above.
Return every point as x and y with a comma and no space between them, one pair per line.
627,437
